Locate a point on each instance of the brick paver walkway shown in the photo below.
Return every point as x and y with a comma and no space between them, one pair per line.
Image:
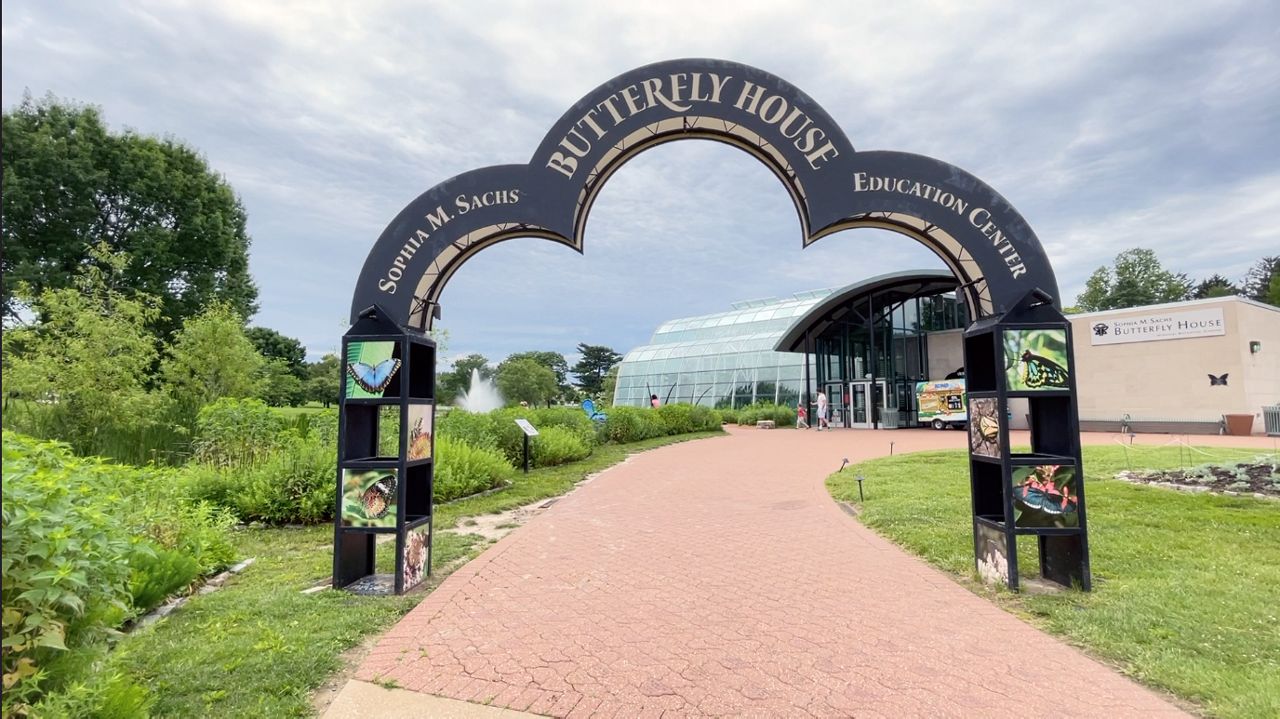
718,578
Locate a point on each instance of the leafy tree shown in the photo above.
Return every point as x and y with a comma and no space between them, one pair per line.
279,386
456,381
210,359
1262,281
324,380
609,385
553,361
596,361
273,345
82,364
1214,286
524,380
69,183
1136,279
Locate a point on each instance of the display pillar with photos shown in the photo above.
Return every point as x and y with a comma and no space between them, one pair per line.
386,450
1026,352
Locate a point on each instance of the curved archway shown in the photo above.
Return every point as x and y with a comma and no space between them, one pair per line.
975,231
997,258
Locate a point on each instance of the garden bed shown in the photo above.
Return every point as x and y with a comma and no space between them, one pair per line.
1259,477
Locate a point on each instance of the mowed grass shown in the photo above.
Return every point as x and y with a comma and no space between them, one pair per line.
1186,587
258,647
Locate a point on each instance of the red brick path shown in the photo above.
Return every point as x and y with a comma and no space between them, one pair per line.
718,578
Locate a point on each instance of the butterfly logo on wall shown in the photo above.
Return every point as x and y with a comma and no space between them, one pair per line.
373,378
1101,329
1218,381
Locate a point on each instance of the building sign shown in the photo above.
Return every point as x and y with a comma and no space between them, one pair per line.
1158,326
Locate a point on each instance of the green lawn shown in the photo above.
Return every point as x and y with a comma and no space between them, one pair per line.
1186,586
259,647
308,408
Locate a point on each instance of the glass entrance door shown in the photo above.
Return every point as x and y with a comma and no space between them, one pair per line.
866,398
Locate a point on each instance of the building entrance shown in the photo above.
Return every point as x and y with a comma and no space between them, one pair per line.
867,399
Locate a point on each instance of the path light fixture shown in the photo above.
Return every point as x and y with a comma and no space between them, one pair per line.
860,478
843,464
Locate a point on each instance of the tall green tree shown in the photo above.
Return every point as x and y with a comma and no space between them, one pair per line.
457,380
70,183
1262,281
1137,278
595,363
609,385
81,366
324,380
1214,286
211,358
275,346
553,361
524,380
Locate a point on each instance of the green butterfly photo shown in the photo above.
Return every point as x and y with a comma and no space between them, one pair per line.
1036,360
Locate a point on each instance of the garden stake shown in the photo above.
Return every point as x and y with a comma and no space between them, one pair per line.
860,497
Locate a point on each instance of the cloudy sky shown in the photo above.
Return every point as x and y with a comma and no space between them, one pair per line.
1108,125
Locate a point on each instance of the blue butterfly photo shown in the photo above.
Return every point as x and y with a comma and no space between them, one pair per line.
373,378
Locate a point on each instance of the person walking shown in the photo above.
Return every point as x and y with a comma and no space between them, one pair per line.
822,411
653,401
801,417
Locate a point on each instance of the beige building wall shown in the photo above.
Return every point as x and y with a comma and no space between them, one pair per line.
1161,379
1169,379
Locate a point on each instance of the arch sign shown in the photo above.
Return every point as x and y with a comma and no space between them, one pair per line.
1004,273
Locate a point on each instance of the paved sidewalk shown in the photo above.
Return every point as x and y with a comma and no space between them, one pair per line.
718,578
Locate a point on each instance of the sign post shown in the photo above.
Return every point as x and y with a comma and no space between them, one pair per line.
529,431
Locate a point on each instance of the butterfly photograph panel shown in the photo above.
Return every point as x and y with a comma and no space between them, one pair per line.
370,369
419,431
369,498
415,555
1036,360
984,427
1046,496
992,555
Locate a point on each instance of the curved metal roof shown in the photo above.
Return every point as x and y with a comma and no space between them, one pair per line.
907,284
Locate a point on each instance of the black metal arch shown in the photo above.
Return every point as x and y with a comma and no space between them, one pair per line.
975,231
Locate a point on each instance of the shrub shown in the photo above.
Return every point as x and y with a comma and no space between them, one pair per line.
462,469
752,413
156,572
632,424
66,571
557,445
86,544
236,432
475,428
728,415
677,418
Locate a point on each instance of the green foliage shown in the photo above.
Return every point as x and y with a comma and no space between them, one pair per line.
608,388
65,563
236,432
78,373
595,363
633,424
69,184
155,573
463,469
278,386
557,445
275,346
1136,279
211,358
728,415
79,537
524,380
457,380
1262,281
553,361
1215,286
324,380
477,429
782,416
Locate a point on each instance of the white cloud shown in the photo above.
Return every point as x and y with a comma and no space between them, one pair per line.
1108,125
